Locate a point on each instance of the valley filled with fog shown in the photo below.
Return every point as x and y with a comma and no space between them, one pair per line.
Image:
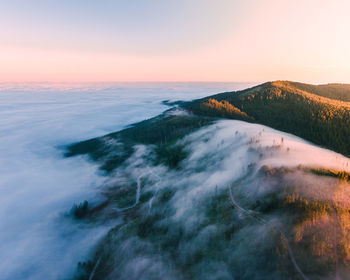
38,239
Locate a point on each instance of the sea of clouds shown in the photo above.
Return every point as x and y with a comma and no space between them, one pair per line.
38,186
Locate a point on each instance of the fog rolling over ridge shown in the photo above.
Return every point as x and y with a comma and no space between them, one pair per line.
39,186
246,202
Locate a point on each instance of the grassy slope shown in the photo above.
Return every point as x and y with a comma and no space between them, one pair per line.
288,108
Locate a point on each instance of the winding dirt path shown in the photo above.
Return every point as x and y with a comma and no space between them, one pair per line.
138,192
263,221
137,196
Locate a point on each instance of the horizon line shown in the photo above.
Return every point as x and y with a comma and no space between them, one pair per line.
157,81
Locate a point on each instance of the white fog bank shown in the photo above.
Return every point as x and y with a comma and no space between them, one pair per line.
38,186
222,153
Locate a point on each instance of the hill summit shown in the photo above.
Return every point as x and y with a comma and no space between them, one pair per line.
320,114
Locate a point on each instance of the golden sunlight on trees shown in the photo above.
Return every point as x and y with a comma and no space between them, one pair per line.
288,108
324,226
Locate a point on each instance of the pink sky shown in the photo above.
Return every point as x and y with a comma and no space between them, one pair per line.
211,41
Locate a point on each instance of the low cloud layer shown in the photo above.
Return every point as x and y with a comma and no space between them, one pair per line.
38,186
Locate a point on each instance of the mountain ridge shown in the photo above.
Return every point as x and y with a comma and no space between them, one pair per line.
280,105
199,197
337,91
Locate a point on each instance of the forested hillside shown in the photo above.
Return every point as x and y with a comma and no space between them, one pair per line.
199,198
333,91
162,132
286,107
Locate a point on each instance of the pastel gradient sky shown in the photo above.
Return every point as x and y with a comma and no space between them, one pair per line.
174,40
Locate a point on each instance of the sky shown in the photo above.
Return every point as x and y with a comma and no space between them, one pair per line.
174,40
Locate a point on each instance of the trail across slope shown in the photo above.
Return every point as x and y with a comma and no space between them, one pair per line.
263,221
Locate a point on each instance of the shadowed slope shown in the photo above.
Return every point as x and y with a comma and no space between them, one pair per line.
162,131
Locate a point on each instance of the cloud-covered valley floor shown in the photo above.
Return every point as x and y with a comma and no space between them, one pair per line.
39,186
